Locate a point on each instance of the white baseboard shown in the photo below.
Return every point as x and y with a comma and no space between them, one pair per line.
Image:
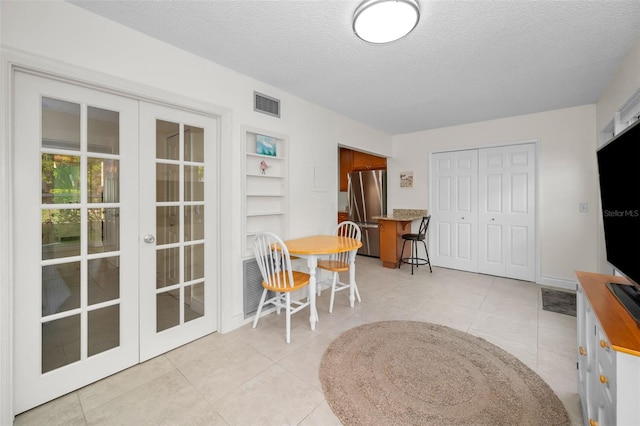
558,283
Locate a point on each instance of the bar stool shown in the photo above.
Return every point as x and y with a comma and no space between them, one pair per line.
413,259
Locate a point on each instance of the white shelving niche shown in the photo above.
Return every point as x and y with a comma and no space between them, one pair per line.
265,192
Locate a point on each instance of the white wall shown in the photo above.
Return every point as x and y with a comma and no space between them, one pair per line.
58,30
567,176
64,37
624,83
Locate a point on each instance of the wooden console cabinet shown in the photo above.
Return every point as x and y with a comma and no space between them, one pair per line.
391,232
608,354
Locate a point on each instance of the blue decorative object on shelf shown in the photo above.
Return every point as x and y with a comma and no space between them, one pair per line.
265,145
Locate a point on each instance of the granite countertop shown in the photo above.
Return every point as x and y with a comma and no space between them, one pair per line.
404,215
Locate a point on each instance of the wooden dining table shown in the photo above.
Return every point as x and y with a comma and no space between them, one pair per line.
317,246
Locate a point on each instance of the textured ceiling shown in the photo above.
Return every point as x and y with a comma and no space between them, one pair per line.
466,61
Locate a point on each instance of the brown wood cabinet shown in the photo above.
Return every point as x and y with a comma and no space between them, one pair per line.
346,159
351,161
362,161
391,232
343,216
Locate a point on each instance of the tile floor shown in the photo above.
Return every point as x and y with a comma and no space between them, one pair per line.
252,377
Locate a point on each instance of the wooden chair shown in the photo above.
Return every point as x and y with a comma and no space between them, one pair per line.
340,262
275,266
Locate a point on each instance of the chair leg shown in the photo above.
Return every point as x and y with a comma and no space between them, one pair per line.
279,305
288,309
426,251
414,254
401,254
333,291
355,290
264,296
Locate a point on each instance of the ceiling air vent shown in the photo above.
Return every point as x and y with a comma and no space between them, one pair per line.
266,104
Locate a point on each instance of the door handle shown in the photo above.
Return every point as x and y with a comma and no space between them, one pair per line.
149,239
364,226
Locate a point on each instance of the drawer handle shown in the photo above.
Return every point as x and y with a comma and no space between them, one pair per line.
582,351
603,379
593,422
604,344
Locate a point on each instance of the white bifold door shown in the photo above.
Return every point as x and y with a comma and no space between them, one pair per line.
483,210
506,215
114,256
454,212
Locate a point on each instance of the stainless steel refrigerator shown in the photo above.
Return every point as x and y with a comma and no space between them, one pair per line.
367,193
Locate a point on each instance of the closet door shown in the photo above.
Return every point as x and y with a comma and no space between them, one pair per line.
507,211
454,217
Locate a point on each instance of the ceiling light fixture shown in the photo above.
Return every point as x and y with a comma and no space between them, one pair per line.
383,21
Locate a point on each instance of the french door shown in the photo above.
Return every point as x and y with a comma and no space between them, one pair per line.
177,231
112,233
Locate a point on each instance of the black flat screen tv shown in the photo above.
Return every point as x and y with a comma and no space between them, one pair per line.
619,174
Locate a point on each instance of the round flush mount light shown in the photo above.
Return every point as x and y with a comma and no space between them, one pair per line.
383,21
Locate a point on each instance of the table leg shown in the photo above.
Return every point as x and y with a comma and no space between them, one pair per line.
312,263
352,277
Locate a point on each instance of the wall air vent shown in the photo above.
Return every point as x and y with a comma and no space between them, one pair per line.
266,104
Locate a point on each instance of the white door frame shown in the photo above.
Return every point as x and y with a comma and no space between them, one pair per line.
12,61
537,144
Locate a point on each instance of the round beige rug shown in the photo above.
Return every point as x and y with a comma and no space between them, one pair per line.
416,373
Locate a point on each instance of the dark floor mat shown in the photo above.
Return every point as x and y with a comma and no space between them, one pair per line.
558,301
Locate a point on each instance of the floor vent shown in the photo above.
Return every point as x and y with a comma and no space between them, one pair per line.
252,287
266,104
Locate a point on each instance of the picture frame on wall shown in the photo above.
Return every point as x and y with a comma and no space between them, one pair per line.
266,145
406,179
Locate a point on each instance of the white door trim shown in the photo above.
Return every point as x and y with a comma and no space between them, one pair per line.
12,61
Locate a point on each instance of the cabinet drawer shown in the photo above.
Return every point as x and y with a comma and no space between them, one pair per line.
606,381
604,354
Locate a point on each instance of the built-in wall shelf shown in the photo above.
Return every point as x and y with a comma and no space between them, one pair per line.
265,189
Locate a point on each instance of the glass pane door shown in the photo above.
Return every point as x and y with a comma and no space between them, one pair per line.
76,218
80,232
178,297
114,245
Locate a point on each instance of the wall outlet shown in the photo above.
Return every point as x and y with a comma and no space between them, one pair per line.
583,207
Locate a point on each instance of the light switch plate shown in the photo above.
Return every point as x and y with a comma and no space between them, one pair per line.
583,207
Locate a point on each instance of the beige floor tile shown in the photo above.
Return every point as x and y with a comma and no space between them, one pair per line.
169,400
117,385
239,377
305,362
522,331
528,354
321,416
274,397
559,321
439,312
509,309
222,368
557,340
65,410
451,295
513,290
